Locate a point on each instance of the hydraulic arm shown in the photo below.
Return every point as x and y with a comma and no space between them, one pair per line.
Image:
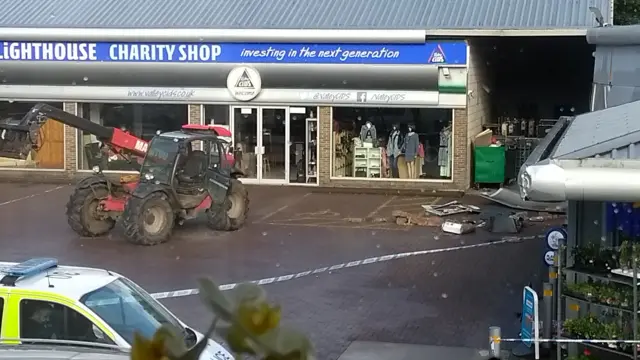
19,137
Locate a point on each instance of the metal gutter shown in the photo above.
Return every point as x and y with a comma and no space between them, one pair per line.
266,35
215,35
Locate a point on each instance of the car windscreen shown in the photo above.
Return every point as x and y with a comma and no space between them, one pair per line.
127,309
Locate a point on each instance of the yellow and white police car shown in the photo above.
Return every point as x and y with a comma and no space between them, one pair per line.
41,300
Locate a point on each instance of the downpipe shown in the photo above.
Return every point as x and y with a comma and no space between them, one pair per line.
552,182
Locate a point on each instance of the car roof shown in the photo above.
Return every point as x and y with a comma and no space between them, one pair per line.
70,281
60,352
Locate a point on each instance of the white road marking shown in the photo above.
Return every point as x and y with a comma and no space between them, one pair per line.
271,214
31,196
375,211
351,264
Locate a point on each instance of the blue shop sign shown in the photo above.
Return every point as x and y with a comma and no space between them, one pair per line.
529,324
441,53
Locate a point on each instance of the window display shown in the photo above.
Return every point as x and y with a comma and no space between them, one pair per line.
392,143
216,114
49,151
142,120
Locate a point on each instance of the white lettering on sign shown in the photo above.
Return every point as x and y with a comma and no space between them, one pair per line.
387,98
161,93
141,146
49,51
164,52
330,96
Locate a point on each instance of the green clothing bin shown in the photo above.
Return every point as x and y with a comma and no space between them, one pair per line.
489,164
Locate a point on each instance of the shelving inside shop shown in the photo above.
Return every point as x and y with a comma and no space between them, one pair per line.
598,292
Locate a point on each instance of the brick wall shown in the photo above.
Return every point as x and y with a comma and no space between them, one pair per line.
478,102
324,146
195,117
460,160
461,151
195,114
70,140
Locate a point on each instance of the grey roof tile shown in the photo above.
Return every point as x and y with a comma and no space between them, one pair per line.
612,132
302,14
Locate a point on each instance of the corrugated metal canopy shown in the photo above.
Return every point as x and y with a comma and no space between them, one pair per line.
611,133
303,14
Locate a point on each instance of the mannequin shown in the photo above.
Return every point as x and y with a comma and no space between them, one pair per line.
368,133
394,146
411,151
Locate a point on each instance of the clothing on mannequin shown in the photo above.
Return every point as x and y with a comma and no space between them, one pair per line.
394,149
368,133
444,152
411,145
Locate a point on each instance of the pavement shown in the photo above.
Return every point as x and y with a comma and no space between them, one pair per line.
442,290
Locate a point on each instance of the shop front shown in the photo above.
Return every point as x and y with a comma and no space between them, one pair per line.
359,114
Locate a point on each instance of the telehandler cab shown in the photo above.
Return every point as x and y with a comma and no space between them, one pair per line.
183,174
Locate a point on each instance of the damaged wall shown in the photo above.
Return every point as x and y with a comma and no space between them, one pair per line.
479,87
616,76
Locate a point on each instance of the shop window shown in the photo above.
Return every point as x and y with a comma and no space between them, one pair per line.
392,143
216,114
47,320
141,120
48,153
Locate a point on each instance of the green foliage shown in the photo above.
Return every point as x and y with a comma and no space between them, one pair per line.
626,12
248,322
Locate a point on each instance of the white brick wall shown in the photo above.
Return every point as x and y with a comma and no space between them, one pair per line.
478,106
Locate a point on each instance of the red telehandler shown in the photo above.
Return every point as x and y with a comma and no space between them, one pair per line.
176,183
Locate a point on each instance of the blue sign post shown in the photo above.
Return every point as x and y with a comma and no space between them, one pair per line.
529,330
436,53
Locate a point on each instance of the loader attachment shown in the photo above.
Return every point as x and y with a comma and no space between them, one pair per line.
18,137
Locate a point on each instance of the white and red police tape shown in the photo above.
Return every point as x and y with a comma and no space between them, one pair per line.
351,264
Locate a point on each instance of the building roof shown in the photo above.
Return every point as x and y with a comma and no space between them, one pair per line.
303,14
611,133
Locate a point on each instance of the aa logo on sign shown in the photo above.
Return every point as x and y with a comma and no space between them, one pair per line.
244,81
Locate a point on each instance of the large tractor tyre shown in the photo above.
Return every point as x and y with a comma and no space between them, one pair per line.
82,211
232,213
149,220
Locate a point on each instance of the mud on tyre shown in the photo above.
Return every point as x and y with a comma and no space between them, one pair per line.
82,211
232,214
149,220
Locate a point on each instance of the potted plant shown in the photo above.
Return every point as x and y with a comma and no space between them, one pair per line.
625,255
585,355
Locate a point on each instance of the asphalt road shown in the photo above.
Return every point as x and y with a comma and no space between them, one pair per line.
443,298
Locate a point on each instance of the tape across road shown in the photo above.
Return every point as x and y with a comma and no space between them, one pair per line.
351,264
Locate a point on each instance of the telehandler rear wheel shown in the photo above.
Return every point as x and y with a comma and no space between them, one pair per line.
149,220
232,213
83,214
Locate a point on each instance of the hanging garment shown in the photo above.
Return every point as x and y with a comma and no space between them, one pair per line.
411,146
368,135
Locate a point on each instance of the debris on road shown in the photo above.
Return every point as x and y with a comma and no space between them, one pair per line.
406,218
450,208
505,223
458,227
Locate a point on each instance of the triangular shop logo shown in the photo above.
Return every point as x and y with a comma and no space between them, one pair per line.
244,81
437,56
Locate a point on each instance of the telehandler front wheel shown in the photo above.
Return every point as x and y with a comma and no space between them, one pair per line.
149,220
83,214
231,214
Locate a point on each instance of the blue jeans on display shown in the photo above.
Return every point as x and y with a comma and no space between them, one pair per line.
393,165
